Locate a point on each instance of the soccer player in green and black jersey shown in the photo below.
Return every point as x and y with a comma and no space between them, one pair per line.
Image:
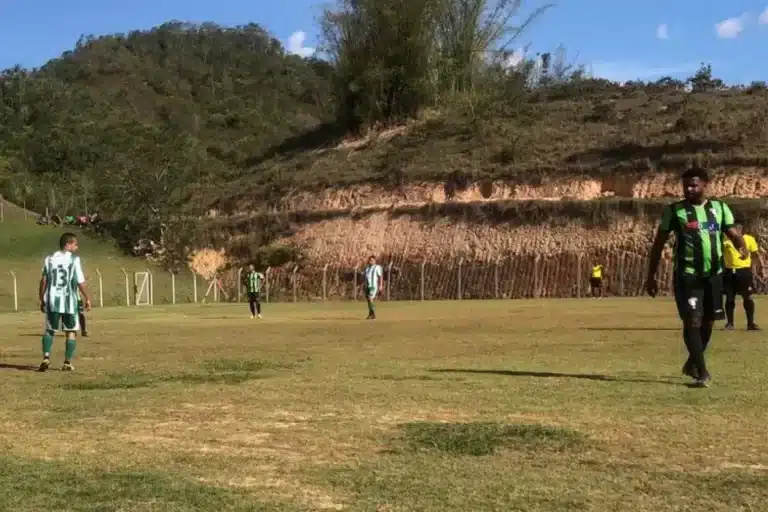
698,224
253,283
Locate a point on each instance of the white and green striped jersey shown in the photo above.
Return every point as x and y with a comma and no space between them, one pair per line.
63,273
372,274
254,281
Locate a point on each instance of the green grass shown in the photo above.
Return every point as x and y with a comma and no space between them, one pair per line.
507,405
24,245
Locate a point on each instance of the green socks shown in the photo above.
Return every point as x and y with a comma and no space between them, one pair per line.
47,344
371,307
69,353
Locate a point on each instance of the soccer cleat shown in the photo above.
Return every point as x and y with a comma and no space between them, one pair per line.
258,316
728,327
252,317
703,382
753,327
84,334
44,365
689,370
68,367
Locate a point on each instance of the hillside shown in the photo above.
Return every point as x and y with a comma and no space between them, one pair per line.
581,174
24,245
201,135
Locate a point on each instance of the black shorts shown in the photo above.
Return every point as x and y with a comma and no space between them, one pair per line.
596,282
253,297
738,281
699,299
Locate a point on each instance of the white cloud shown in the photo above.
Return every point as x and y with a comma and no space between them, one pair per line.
763,19
514,58
662,31
627,71
731,28
296,44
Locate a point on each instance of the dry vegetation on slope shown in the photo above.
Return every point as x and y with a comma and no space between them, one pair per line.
610,142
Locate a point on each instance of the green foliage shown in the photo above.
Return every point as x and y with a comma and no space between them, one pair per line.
131,125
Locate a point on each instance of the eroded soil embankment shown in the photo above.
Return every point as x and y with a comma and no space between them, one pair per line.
748,183
346,241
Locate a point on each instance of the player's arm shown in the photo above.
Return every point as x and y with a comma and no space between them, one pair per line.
82,285
381,278
41,290
654,258
732,233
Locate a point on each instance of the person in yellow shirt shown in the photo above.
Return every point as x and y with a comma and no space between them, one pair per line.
596,281
738,278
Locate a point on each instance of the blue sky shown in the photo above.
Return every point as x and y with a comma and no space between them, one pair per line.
617,39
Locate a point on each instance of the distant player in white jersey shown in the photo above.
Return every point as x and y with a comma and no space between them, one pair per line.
59,285
373,283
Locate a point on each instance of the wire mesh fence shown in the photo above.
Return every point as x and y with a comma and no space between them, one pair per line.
520,277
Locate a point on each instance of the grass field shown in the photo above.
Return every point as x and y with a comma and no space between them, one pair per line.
467,406
24,245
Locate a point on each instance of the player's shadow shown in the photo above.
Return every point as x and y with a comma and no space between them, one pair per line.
639,328
19,367
559,375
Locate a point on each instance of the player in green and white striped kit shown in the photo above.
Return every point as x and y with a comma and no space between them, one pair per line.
62,278
373,283
253,283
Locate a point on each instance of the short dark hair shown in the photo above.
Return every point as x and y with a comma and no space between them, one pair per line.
66,239
696,172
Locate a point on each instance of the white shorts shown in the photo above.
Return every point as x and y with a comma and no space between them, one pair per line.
61,322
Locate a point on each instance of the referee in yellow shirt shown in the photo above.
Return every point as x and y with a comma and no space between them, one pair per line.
738,278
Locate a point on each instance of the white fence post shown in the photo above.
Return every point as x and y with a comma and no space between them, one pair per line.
389,279
127,288
461,263
496,279
293,279
173,287
354,283
421,279
194,286
239,283
151,288
15,291
325,282
101,288
266,284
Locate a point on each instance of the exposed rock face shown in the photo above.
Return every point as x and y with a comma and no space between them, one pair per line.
750,183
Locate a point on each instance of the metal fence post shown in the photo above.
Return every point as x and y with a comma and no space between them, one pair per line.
15,291
266,284
325,282
173,287
496,278
239,283
621,274
461,263
151,288
421,279
579,270
101,288
354,283
127,288
293,278
389,279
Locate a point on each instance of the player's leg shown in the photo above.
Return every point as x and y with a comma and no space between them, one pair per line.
746,287
71,324
49,330
83,329
257,301
689,297
370,295
252,304
729,283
